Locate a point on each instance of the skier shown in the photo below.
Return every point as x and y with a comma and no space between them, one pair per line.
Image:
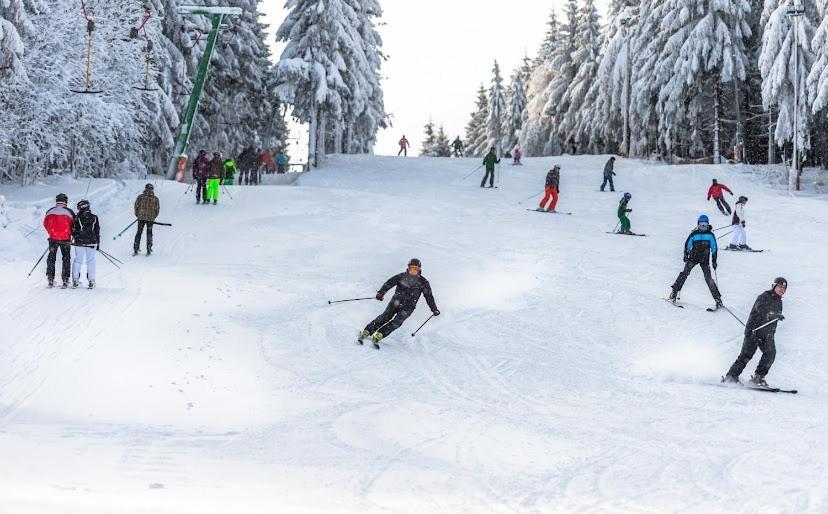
517,155
759,333
244,165
551,189
146,208
457,144
230,170
410,285
489,161
404,146
266,161
608,174
214,175
58,224
622,214
281,162
201,169
739,241
86,232
716,193
698,249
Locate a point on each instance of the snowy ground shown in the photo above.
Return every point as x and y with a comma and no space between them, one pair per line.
213,377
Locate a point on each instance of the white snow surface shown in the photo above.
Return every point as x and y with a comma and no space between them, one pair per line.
213,377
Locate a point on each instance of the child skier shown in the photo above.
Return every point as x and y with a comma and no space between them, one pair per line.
58,224
489,161
739,241
410,285
759,333
230,170
146,208
551,190
518,155
214,178
608,174
622,214
698,249
86,232
716,193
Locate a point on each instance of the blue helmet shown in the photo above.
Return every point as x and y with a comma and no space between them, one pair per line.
627,196
704,219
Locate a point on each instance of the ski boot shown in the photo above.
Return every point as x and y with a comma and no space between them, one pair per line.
550,210
758,381
51,283
730,379
732,247
745,247
149,252
540,209
673,298
215,202
363,335
377,338
719,304
625,232
65,285
91,284
135,251
75,284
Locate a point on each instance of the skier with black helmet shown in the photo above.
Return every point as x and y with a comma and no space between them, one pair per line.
86,233
760,332
410,285
147,208
699,248
58,224
489,162
739,241
622,214
552,187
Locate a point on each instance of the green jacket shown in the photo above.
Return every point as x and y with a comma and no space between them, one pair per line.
230,169
490,160
622,208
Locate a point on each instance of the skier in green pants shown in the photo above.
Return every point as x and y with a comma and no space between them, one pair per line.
230,170
214,177
622,214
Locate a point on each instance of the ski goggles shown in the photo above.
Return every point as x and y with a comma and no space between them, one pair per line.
414,268
704,225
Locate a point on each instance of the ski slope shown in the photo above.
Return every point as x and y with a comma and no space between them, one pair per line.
213,377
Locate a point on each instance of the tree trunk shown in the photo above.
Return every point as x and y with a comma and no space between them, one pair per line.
321,134
771,156
717,151
314,128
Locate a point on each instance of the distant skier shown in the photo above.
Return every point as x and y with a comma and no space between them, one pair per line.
86,232
517,156
404,146
58,224
551,190
759,333
716,192
214,178
147,207
739,241
623,210
410,285
201,170
608,174
457,144
699,248
230,170
245,162
281,162
489,161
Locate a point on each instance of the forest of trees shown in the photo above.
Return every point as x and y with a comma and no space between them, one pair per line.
677,80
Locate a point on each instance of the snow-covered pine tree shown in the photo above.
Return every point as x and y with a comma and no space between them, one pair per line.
442,146
536,124
563,73
497,111
429,140
12,16
514,112
476,133
818,83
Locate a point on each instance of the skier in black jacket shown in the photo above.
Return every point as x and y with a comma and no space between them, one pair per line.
86,233
608,173
410,285
759,333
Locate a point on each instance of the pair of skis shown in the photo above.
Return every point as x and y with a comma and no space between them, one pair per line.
675,303
753,387
549,212
628,234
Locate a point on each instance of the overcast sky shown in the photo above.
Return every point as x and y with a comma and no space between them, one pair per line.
440,51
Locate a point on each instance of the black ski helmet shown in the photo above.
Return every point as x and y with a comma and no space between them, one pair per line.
84,205
415,262
743,199
780,281
61,198
715,181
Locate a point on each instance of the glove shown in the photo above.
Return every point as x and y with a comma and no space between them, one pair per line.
780,317
436,312
743,224
686,258
98,247
731,194
628,210
715,265
380,295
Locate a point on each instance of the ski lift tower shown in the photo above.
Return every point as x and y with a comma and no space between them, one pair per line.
178,161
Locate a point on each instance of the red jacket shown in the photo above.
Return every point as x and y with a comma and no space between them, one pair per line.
716,191
58,222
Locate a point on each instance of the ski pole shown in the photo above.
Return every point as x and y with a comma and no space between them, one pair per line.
124,230
162,224
534,195
723,235
616,226
330,302
109,256
227,191
32,231
421,326
110,259
766,324
189,188
722,228
735,316
472,173
86,195
38,262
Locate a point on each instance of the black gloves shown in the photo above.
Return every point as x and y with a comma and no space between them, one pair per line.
380,295
436,312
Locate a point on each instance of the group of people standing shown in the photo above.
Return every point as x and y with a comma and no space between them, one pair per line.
209,175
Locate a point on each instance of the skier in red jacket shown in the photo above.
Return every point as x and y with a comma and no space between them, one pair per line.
58,224
716,192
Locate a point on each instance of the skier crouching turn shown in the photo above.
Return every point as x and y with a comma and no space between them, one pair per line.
698,249
410,285
759,333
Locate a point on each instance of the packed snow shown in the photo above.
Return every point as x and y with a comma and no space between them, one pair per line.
214,377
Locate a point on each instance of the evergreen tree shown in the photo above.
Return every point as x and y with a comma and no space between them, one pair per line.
497,111
476,129
442,146
537,125
588,42
430,139
514,112
563,73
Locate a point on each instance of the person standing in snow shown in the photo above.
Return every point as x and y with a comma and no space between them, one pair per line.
214,175
230,170
551,190
86,233
760,333
608,174
517,156
457,144
716,192
699,248
739,241
281,162
201,170
147,207
489,161
626,225
404,146
410,285
58,224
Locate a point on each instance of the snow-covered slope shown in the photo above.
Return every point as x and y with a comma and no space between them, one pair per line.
214,376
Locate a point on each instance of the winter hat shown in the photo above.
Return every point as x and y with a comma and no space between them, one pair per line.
415,262
61,198
715,181
780,281
84,205
612,158
704,219
743,199
149,187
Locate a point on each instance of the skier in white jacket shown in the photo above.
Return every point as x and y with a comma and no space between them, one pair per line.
739,233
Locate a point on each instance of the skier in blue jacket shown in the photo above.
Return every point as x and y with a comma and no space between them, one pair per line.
699,248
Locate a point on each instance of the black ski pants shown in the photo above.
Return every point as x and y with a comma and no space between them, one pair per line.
141,225
391,319
708,277
201,189
65,256
489,175
608,180
723,206
749,346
